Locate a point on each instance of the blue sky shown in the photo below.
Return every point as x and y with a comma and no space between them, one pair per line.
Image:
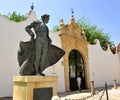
103,13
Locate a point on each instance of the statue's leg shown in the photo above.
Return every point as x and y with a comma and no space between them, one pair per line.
38,50
43,56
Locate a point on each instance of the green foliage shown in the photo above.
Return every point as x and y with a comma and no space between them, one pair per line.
16,17
55,28
92,32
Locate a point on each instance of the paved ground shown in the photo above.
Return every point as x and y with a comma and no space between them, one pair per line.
113,94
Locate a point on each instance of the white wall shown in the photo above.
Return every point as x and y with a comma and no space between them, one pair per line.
57,69
104,66
11,33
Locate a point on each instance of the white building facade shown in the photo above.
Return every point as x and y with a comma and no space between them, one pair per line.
103,66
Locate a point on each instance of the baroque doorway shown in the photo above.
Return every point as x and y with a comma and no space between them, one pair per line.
76,67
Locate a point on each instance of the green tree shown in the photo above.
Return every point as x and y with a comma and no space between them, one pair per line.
55,28
16,17
93,32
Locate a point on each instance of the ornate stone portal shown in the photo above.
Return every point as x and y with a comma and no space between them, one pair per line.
73,38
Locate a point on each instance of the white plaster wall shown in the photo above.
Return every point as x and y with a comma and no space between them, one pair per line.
11,33
57,69
104,66
118,60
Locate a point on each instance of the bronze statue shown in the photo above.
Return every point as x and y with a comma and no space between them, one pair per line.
38,53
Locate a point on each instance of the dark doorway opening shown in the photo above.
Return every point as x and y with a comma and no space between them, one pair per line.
76,67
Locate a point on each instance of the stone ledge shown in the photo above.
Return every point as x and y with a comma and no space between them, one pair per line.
34,78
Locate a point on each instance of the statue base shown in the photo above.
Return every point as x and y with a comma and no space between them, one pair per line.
32,87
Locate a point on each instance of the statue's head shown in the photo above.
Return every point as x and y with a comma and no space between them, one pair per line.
45,18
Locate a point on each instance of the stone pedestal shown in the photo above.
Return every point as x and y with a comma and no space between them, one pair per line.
24,86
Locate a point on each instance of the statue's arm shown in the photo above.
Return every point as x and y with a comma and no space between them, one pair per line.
29,31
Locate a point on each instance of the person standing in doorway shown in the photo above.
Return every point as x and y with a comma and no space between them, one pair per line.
79,83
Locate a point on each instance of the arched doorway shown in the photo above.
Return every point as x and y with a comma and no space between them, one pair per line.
76,66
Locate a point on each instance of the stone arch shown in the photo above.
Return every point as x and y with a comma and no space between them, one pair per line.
73,37
68,44
76,67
